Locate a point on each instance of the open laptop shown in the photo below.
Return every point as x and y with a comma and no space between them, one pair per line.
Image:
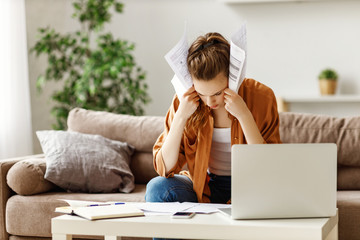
283,181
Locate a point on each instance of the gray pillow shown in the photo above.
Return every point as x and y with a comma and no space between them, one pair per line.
87,163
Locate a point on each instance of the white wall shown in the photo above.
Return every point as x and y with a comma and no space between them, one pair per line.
288,43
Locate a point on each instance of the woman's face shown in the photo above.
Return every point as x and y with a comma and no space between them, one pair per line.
211,91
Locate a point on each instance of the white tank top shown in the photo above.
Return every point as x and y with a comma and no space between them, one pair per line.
220,154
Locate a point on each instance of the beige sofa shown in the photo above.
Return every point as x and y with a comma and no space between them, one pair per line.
27,216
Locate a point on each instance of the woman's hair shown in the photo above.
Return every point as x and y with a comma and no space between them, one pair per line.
208,56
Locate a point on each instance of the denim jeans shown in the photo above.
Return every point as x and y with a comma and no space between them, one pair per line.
220,187
180,189
175,189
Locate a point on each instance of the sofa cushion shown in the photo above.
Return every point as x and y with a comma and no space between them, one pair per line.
87,163
142,167
348,178
26,177
139,131
310,128
39,209
348,203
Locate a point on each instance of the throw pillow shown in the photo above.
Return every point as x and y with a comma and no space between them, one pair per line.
26,177
87,163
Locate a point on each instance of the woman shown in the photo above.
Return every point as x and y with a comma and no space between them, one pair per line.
201,126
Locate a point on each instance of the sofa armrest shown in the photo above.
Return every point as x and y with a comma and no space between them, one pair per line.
5,191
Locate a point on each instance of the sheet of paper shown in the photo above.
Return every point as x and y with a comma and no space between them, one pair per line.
179,87
237,68
176,58
207,207
172,207
167,207
79,203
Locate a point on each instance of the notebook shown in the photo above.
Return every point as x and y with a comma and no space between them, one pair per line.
109,211
283,181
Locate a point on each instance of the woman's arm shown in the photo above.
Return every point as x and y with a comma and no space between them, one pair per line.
236,106
171,146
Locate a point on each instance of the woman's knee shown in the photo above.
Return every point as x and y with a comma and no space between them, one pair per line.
178,188
155,189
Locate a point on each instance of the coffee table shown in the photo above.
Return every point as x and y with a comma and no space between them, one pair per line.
201,226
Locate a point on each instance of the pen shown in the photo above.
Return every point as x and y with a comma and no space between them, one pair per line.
105,204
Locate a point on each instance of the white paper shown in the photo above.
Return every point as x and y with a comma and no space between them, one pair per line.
207,207
237,68
169,208
176,58
179,87
79,203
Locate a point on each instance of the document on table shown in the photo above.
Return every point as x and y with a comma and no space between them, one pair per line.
169,208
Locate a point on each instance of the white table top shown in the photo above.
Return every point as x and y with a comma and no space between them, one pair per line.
202,226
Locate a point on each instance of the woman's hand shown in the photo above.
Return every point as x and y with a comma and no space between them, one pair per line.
237,107
234,104
189,103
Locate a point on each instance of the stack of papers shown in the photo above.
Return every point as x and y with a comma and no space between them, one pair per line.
169,208
98,210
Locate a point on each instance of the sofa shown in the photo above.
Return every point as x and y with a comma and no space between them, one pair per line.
28,200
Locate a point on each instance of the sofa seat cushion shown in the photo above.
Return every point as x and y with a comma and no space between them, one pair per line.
348,203
39,209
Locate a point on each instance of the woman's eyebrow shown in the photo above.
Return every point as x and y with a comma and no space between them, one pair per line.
212,94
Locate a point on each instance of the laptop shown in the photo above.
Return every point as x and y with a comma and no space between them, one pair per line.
283,181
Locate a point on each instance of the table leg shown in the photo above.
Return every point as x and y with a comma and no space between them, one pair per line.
333,235
112,238
61,237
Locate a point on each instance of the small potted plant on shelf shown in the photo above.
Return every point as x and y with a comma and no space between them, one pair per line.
328,81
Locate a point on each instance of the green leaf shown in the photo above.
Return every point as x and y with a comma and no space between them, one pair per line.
40,82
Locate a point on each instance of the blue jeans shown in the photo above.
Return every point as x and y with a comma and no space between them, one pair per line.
175,189
220,188
180,189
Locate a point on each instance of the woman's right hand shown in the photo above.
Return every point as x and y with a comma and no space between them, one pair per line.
189,102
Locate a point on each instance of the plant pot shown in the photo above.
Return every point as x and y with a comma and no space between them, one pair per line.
327,86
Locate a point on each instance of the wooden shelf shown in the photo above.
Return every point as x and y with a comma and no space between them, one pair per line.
345,104
266,1
322,99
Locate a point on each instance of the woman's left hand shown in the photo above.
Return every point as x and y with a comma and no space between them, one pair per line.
234,104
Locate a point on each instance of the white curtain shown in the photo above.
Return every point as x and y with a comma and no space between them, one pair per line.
15,111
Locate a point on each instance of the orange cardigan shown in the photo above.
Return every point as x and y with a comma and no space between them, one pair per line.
196,144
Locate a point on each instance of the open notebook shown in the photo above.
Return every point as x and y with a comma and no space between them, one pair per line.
109,211
99,210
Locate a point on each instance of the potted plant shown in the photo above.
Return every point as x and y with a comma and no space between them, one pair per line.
96,70
328,81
